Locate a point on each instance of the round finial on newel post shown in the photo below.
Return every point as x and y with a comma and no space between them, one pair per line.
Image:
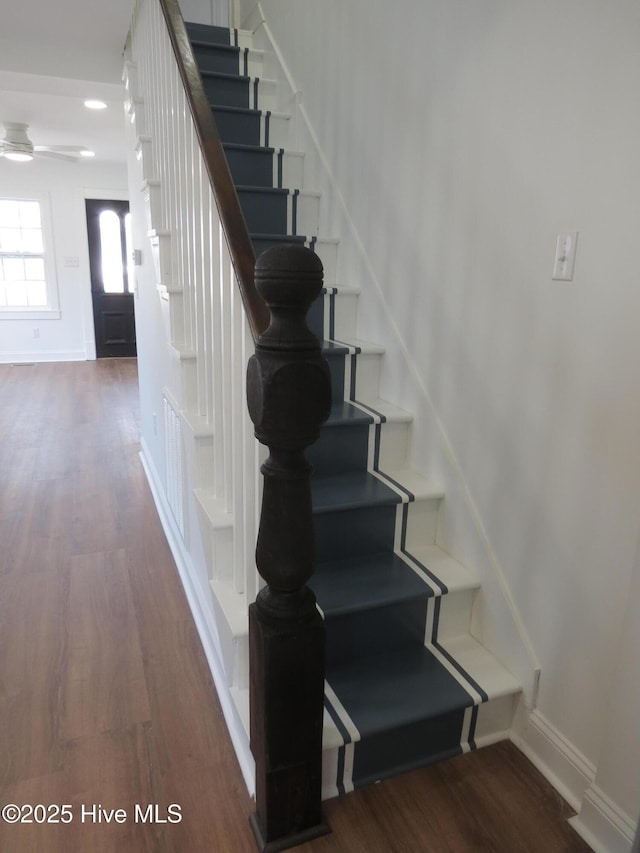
288,278
289,398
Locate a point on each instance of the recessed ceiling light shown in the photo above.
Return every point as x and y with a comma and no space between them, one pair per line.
18,156
87,153
95,105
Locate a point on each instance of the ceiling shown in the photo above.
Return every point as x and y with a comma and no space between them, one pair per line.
53,56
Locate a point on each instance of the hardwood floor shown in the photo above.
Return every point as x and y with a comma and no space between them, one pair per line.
106,699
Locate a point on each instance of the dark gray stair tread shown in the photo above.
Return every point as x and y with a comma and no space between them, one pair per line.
227,108
342,412
251,149
266,191
349,586
350,491
395,689
224,76
331,348
215,45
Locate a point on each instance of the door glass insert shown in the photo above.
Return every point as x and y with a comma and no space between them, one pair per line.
111,252
131,280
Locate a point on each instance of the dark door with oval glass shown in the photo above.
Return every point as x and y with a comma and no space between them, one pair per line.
112,278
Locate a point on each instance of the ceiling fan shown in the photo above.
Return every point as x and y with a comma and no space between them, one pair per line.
16,145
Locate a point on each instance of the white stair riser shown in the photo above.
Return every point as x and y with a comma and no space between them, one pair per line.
394,443
267,95
203,461
255,64
137,115
184,381
307,214
152,196
368,377
345,315
176,318
222,554
455,613
130,80
279,130
144,156
495,720
327,251
292,170
244,38
161,252
233,649
422,523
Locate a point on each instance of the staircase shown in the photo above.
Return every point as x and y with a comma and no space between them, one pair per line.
406,683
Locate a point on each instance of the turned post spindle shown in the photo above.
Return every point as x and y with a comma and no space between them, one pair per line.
289,397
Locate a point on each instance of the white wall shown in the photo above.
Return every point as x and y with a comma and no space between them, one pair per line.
206,11
69,337
463,137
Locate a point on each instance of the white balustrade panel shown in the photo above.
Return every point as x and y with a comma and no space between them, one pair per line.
215,332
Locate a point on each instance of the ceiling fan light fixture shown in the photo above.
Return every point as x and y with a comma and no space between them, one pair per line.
16,145
95,105
86,152
18,156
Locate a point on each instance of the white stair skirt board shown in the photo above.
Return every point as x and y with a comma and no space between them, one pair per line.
205,624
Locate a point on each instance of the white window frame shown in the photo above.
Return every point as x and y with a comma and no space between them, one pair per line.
52,310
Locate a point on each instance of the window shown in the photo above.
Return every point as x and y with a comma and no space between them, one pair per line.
26,279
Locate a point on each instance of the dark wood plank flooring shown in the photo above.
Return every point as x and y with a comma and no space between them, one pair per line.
105,694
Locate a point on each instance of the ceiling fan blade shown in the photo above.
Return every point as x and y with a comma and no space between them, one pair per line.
70,149
58,155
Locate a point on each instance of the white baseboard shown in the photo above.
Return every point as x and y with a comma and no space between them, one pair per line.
29,357
555,757
602,824
203,621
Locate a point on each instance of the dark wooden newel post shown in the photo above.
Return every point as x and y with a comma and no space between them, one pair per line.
289,397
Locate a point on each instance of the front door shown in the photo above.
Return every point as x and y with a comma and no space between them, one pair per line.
112,280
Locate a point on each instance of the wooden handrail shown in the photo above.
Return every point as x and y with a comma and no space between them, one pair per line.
235,228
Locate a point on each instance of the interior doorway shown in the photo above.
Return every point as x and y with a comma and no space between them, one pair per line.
112,278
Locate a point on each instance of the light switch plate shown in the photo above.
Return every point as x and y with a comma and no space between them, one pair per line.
565,256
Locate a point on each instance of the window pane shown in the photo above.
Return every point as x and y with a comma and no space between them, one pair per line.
14,269
32,240
37,293
16,294
34,269
10,240
111,250
8,212
29,214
